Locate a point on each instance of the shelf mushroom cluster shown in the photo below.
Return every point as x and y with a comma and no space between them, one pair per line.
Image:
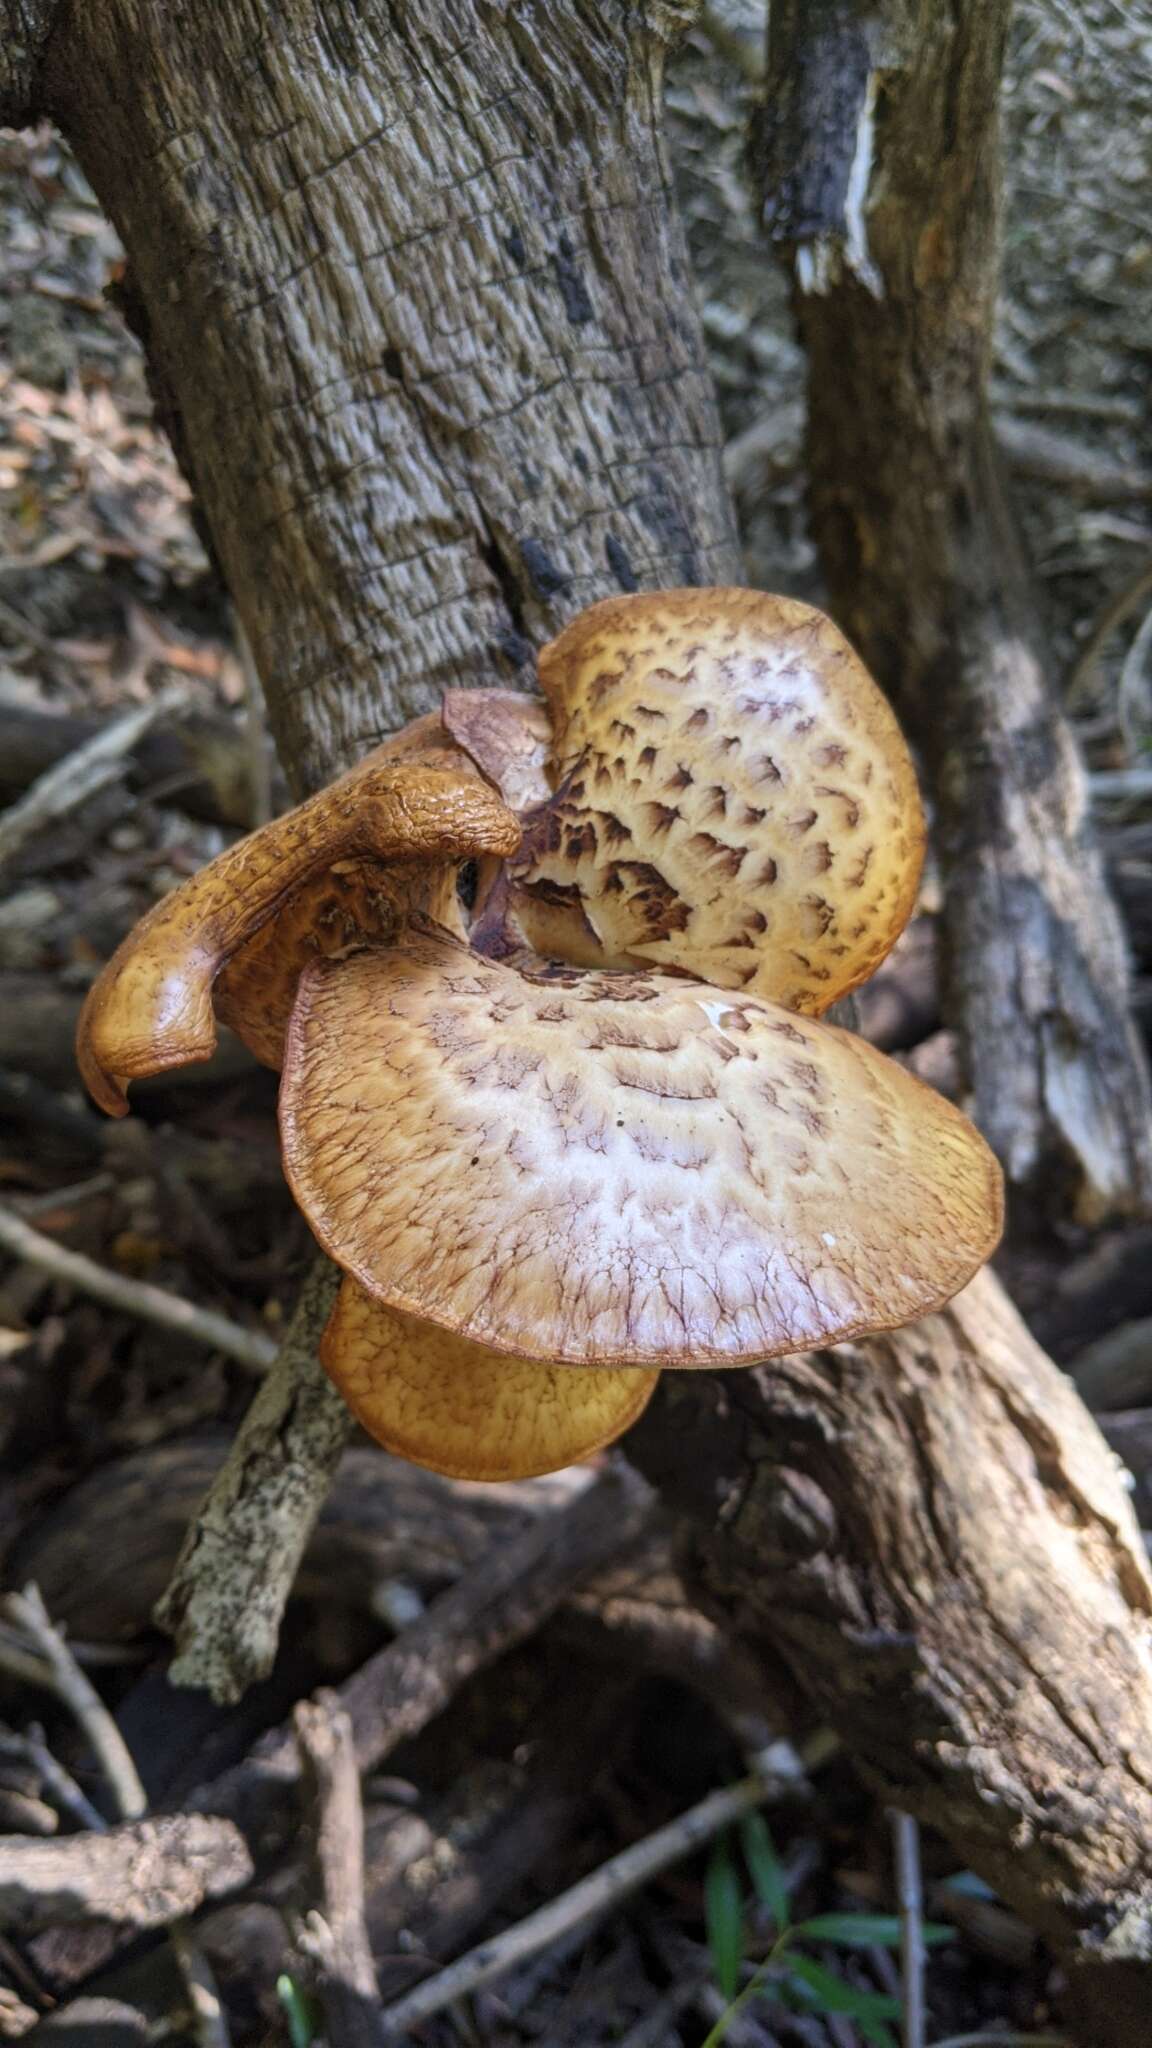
544,981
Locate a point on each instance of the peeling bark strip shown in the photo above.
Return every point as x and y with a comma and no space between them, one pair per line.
894,235
421,320
925,1524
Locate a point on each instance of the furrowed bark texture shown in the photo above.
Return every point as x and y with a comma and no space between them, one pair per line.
417,306
892,225
420,321
930,1530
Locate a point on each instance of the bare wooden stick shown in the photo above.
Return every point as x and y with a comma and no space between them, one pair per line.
80,775
984,2040
57,1781
209,2021
336,1938
147,1873
1120,607
140,1298
910,1900
780,1773
241,1554
53,1665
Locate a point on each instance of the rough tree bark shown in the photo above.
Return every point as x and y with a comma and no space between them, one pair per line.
418,313
880,159
415,299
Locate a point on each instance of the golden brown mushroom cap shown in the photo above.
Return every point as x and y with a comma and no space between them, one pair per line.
461,1409
152,1006
619,1169
733,797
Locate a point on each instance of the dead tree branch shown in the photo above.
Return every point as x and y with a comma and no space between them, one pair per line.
241,1554
880,169
336,1938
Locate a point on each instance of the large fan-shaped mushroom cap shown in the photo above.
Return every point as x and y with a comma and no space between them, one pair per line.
461,1409
619,1169
417,805
732,797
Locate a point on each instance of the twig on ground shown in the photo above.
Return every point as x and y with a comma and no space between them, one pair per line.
910,1901
501,1599
58,1782
67,1197
1121,607
781,1773
235,1571
335,1939
1055,458
50,1662
80,775
248,1348
209,2023
147,1873
1132,688
1120,785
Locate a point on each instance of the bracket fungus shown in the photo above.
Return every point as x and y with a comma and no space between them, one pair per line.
545,982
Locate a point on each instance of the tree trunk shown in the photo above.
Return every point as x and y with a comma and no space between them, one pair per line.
416,301
880,161
419,319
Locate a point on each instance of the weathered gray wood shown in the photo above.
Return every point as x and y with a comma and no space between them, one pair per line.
880,163
421,322
932,1533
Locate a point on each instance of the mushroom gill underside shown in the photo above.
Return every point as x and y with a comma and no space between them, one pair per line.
544,982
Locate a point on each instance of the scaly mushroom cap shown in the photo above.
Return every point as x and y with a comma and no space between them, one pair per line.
461,1409
619,1169
344,867
732,797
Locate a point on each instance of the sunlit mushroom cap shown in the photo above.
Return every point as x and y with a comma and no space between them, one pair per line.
343,868
732,797
559,1098
619,1169
459,1408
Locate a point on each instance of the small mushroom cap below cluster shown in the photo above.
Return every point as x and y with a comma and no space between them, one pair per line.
417,804
468,1412
600,1169
732,797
